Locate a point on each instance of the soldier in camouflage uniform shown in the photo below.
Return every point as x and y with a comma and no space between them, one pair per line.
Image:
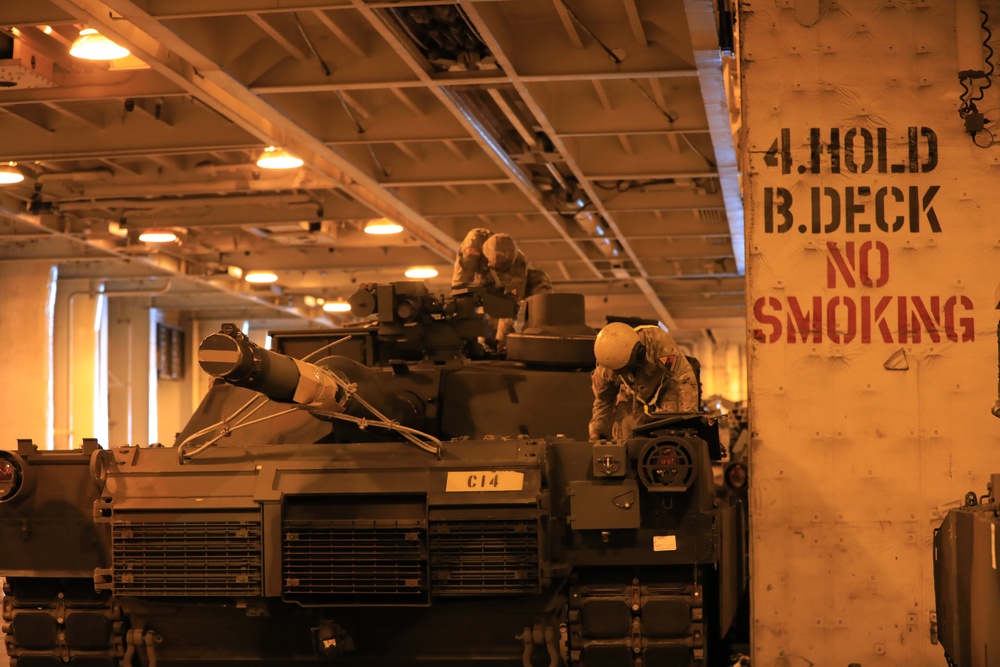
639,371
470,262
494,261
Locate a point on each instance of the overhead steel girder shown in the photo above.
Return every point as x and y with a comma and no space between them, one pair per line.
199,76
472,123
708,58
521,87
138,83
89,259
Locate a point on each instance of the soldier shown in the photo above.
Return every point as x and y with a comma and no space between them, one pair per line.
493,261
639,371
469,262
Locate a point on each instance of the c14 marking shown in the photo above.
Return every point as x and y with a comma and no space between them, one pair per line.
484,480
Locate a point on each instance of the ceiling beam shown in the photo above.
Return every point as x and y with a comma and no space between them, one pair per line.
141,83
520,85
602,96
104,260
204,79
711,77
332,24
283,35
635,22
568,25
472,78
468,118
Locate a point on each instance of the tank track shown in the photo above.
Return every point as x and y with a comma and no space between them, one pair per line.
638,623
56,621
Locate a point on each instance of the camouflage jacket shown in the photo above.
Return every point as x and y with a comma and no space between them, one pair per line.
665,382
519,280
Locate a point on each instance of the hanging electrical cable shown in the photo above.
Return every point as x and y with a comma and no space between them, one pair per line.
976,122
309,43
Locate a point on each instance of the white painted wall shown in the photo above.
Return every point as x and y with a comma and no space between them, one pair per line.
79,351
864,431
26,371
131,372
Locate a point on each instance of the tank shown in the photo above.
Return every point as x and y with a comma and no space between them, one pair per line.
391,493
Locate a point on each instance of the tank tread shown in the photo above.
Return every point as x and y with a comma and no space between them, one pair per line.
54,621
637,623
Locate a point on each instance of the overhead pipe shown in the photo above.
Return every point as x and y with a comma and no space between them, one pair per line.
80,176
213,168
150,189
138,292
343,236
154,204
462,106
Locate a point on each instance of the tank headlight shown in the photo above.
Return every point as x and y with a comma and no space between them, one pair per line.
667,464
736,476
11,476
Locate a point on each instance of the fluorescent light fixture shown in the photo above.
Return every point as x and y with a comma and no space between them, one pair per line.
260,276
92,45
277,158
157,235
336,307
383,226
421,272
10,174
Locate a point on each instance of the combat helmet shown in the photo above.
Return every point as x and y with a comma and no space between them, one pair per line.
500,251
614,345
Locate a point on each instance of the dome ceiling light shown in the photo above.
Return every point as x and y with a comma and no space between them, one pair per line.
383,226
277,158
157,235
92,45
421,272
10,174
260,277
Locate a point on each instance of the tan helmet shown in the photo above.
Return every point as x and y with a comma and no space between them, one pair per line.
614,345
500,251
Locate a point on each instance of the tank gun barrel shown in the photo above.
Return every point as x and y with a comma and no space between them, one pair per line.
233,357
336,385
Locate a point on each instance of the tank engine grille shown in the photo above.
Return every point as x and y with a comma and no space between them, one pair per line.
187,558
354,562
484,556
